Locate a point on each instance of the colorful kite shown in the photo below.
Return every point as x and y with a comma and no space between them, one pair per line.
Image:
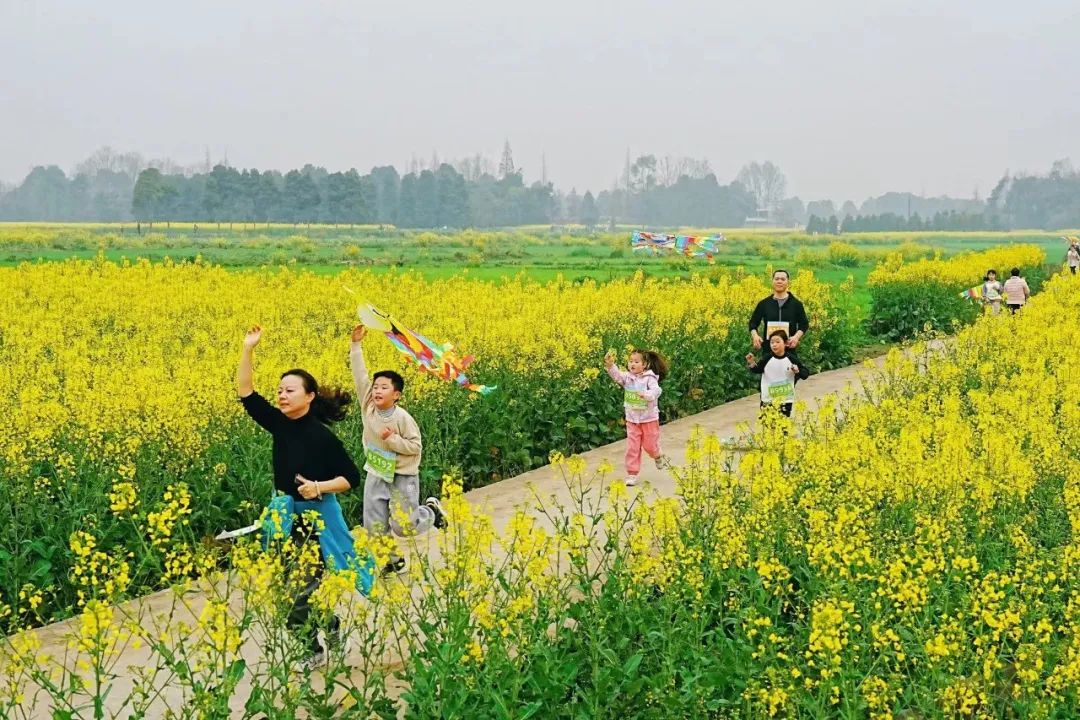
689,245
974,293
438,360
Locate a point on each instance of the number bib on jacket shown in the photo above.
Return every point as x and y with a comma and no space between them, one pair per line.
634,401
782,391
381,463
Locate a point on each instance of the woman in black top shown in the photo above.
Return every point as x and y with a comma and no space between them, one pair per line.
311,466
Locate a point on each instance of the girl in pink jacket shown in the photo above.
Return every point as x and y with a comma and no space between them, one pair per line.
641,390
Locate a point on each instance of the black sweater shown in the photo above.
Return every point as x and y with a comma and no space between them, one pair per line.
759,368
768,310
301,447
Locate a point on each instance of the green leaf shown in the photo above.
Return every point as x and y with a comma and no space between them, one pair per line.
40,569
531,709
236,671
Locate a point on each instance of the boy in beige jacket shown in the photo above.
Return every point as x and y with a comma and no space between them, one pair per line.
392,448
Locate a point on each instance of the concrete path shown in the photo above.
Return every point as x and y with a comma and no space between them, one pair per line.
499,501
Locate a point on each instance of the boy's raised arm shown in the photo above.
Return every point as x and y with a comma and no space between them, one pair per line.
356,363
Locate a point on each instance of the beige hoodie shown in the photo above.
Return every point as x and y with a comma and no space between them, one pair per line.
404,447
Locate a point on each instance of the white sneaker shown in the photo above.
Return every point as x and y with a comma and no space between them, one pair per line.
663,462
335,641
314,661
631,480
394,567
437,509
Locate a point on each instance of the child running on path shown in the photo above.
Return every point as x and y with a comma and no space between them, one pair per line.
646,369
780,369
392,448
311,466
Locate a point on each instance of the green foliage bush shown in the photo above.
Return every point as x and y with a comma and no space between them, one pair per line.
913,297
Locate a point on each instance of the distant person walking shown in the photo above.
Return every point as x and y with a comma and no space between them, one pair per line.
1017,291
992,291
779,311
1072,257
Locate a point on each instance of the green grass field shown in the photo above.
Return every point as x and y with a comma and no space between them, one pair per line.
541,253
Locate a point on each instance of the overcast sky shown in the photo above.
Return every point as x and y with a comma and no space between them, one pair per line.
850,97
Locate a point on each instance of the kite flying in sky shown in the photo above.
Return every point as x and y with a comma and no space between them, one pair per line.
974,293
442,361
688,245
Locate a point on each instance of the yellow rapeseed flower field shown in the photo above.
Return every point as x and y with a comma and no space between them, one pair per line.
960,271
121,382
910,297
912,552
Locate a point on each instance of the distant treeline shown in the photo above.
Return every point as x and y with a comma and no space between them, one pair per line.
311,195
891,222
658,193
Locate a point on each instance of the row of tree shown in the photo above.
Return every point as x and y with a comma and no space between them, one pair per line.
671,191
428,198
940,220
48,194
1046,201
699,201
656,192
